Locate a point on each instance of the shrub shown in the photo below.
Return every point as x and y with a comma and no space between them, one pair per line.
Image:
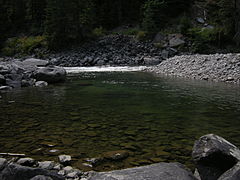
185,24
98,32
131,31
141,35
154,15
202,38
24,45
158,45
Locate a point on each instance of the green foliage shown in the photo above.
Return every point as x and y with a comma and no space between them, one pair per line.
202,38
99,32
67,22
158,45
154,15
141,35
131,31
222,14
128,32
185,25
24,45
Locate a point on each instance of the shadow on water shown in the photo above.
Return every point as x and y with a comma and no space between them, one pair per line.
155,119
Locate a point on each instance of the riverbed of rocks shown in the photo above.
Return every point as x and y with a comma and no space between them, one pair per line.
117,50
215,159
214,67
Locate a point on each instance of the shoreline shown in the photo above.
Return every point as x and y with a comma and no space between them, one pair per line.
208,151
214,67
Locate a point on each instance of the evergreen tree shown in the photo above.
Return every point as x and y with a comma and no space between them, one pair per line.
154,15
66,21
35,15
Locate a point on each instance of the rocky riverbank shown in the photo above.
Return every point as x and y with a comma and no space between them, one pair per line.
215,67
30,72
118,50
215,159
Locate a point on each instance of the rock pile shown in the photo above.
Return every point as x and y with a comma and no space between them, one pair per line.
113,50
215,67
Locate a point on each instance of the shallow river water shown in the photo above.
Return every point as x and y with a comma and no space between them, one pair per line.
155,119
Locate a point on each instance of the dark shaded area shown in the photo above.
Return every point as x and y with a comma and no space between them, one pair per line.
214,165
65,22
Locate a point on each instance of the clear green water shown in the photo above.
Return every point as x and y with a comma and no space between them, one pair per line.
154,118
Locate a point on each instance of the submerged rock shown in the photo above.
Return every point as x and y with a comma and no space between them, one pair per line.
94,161
213,156
116,155
161,171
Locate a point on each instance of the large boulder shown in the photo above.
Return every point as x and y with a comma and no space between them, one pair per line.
176,40
161,171
18,172
232,174
213,156
35,62
51,74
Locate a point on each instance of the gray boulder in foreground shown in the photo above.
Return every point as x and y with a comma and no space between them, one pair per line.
18,172
51,74
232,174
160,171
214,156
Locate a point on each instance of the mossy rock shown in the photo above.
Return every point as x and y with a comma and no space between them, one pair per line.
116,155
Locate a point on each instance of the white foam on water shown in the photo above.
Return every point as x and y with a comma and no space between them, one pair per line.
73,70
